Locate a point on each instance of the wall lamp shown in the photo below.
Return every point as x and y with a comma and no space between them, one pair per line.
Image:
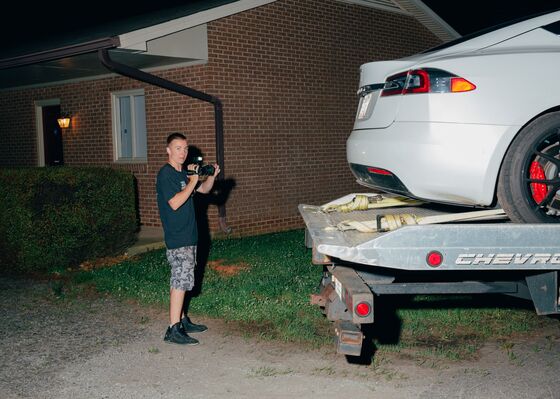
63,121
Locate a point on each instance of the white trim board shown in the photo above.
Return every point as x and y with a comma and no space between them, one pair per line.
387,5
136,40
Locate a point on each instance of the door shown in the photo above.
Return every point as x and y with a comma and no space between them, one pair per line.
52,136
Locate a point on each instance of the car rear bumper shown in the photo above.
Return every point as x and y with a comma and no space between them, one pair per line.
443,162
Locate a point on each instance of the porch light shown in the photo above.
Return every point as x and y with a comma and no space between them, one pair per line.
63,121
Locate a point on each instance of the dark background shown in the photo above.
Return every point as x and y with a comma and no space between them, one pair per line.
473,15
26,22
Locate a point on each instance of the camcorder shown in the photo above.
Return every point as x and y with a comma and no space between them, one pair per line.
203,169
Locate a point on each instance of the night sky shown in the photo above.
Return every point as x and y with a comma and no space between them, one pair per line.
25,22
473,15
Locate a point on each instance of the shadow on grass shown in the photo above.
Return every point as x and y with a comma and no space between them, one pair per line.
388,326
218,196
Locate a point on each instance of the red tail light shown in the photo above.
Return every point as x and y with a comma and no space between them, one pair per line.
434,259
418,82
379,171
363,309
427,80
394,84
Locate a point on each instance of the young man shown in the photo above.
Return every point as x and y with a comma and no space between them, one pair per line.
175,188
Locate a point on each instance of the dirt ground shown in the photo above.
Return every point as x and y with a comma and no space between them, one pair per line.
53,345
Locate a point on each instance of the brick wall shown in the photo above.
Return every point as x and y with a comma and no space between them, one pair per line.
287,74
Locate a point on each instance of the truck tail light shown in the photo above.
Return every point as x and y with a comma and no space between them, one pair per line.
363,309
434,259
426,80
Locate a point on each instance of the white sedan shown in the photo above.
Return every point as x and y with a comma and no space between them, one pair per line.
473,122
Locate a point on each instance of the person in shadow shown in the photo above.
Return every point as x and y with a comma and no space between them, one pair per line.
217,197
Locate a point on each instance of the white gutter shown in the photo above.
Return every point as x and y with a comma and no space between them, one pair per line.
387,5
429,19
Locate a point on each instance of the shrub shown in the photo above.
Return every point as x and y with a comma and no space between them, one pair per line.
59,217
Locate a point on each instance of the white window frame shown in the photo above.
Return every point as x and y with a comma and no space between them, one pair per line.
116,121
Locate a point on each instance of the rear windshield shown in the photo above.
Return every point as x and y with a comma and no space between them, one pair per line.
483,32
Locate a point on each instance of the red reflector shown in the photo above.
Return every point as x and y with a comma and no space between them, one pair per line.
459,84
434,259
378,171
363,309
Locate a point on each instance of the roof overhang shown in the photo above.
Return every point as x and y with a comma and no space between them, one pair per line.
139,39
178,41
416,9
429,19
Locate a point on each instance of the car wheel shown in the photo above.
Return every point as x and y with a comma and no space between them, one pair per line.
529,183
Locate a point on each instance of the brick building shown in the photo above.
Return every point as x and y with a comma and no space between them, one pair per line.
286,72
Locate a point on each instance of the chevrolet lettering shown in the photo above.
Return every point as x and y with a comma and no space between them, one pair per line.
507,259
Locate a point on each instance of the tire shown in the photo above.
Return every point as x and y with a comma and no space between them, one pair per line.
529,181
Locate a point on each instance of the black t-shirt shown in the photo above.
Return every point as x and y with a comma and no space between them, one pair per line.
179,226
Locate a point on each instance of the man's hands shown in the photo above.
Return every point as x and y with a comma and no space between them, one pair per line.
216,170
182,196
206,185
193,178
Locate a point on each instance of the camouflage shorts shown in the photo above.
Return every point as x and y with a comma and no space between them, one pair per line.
182,261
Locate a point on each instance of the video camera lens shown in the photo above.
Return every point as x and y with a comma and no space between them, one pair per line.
206,170
203,170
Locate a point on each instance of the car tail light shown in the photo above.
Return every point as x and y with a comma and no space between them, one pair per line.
394,84
459,85
418,82
427,80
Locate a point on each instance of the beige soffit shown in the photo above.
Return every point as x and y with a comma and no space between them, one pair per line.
418,10
136,40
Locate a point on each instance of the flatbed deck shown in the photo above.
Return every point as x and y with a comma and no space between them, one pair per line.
482,245
482,257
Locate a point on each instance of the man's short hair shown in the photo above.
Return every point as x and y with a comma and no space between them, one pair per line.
175,136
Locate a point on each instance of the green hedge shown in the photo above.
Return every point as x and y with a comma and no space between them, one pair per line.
61,216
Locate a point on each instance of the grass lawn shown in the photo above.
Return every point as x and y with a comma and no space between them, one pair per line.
263,284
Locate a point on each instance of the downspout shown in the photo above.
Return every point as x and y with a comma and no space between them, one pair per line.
145,77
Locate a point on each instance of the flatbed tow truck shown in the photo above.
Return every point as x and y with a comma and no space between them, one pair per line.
478,255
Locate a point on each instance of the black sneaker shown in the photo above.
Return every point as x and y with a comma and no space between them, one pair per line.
190,327
177,335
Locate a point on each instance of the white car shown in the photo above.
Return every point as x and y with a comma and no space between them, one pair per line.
473,122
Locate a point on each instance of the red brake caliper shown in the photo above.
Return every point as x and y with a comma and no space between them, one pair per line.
539,189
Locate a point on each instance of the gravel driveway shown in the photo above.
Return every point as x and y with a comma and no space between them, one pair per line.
52,346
